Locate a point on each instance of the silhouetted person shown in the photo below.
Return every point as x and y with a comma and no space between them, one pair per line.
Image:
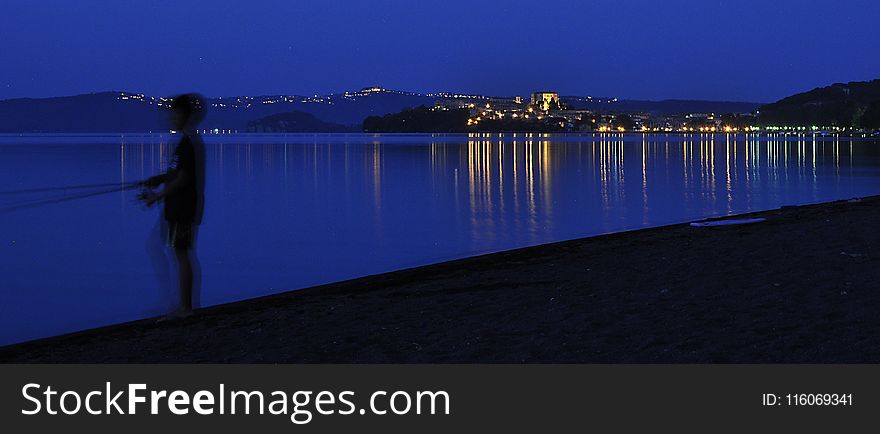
183,193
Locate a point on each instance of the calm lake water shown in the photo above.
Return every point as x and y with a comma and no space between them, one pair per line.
292,211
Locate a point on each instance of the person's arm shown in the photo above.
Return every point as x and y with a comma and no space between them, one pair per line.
177,181
154,181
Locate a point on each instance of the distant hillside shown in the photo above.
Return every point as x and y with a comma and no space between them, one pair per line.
436,120
98,112
348,108
419,120
854,104
131,112
295,122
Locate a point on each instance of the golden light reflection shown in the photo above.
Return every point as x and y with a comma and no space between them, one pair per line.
526,181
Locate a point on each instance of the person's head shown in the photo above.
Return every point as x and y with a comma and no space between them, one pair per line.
187,110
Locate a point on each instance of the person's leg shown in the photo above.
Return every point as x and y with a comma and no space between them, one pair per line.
196,278
185,271
157,250
196,268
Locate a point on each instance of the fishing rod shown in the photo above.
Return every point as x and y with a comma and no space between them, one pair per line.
62,188
54,200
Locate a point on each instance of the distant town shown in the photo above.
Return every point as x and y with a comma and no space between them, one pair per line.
843,108
857,112
548,110
543,110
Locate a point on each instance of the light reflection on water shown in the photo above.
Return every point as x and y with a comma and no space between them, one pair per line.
285,212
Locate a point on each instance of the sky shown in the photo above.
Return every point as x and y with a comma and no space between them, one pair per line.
757,51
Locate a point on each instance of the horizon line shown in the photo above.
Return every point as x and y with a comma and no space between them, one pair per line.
390,90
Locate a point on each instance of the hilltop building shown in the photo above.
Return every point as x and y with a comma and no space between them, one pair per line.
543,100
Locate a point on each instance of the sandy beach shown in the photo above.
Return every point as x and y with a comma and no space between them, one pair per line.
798,287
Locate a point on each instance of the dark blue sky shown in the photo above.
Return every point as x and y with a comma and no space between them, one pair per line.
731,50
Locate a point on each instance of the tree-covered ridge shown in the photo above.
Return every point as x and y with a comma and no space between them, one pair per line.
295,122
419,120
855,104
438,120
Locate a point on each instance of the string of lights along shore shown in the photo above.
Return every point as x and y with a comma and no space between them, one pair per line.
546,110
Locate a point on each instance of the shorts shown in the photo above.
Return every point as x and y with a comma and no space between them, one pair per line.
180,235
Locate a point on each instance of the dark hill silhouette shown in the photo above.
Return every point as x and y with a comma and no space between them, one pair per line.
854,104
295,122
419,120
97,112
119,112
129,112
343,109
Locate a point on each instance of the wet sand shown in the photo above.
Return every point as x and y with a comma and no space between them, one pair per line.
803,286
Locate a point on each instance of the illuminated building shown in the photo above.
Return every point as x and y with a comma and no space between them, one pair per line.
543,99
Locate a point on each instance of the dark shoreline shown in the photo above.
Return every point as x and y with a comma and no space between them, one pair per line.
798,288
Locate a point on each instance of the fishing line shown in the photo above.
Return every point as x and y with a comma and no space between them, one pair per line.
68,187
54,200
